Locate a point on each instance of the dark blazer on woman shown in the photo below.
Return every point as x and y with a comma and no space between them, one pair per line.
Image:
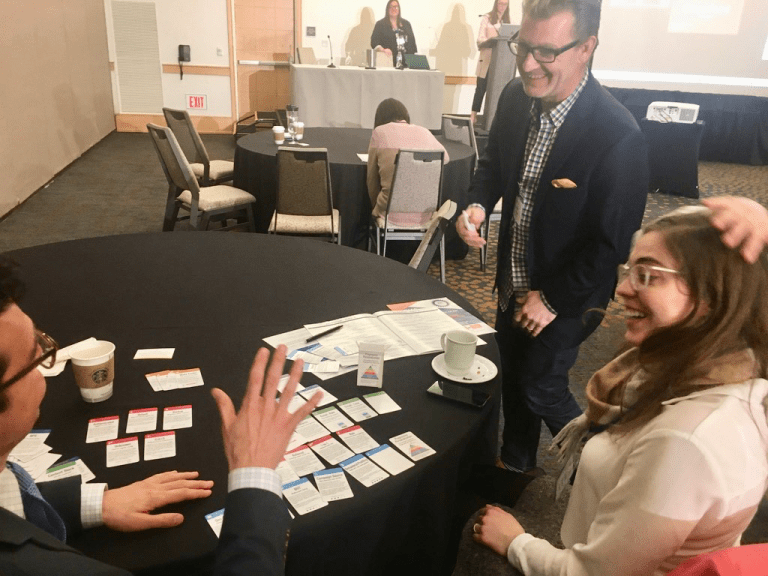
384,36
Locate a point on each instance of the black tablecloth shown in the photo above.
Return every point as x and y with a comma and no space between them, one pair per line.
737,126
256,172
214,297
673,156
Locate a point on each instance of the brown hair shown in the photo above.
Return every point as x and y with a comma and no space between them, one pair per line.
586,14
399,13
729,313
390,110
493,14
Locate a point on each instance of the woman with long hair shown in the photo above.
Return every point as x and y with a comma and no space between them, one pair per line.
678,462
387,30
489,29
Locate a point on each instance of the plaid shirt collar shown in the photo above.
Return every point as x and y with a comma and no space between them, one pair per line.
558,113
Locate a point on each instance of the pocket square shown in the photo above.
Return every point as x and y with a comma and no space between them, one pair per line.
563,183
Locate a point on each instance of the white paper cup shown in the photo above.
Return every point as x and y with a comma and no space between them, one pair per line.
94,370
459,347
279,134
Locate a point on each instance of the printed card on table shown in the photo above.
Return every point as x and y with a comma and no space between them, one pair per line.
123,451
32,445
284,382
357,409
154,354
295,441
296,403
160,445
382,402
389,459
303,461
102,429
332,419
357,439
141,420
311,429
412,446
363,470
286,472
331,450
333,484
303,496
72,467
215,521
310,391
175,417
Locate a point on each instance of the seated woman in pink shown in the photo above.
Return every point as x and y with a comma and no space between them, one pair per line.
393,131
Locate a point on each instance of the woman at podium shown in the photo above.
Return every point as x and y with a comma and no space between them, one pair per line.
394,35
489,29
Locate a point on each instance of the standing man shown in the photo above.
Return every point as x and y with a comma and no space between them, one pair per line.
571,164
34,525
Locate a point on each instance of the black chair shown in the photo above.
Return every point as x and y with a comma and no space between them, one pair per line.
673,156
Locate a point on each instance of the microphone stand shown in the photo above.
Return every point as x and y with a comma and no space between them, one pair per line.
330,47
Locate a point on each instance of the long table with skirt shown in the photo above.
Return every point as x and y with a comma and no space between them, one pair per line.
256,172
214,297
347,96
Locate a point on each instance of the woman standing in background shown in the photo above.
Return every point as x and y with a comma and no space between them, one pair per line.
384,36
489,29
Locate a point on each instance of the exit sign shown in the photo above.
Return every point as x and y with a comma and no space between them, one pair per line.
197,101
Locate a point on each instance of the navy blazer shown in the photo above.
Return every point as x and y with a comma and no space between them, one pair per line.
253,541
578,236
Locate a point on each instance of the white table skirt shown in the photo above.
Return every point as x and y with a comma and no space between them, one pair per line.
347,96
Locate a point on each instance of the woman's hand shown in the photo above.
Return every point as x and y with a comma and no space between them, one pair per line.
496,529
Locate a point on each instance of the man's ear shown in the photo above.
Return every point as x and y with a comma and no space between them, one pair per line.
587,48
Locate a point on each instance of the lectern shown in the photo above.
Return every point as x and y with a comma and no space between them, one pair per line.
500,72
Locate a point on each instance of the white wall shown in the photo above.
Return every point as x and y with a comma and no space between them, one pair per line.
202,24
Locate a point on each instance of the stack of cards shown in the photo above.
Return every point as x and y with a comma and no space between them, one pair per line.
33,454
175,379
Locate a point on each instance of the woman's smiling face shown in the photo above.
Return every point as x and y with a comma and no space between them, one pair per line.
666,299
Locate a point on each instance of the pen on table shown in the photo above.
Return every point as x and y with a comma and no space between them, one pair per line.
329,331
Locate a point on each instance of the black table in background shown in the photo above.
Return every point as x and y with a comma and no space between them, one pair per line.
256,172
214,297
673,156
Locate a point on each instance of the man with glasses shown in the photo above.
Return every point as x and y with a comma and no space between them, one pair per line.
571,165
35,519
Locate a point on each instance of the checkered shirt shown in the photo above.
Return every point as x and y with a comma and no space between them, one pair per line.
263,478
541,137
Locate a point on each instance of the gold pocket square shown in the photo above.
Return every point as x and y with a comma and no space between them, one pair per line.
563,183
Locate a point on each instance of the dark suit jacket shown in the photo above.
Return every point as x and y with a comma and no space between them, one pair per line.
253,539
578,236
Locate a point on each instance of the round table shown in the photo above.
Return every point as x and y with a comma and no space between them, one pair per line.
256,172
214,297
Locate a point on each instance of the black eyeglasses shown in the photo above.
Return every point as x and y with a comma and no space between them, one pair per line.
47,359
542,54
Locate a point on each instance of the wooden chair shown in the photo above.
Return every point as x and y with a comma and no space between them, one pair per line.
304,203
208,172
216,203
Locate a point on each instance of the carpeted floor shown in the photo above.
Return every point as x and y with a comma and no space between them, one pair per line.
117,187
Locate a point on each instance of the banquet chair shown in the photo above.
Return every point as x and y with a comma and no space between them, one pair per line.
413,201
209,204
460,129
485,227
305,55
208,172
304,202
429,244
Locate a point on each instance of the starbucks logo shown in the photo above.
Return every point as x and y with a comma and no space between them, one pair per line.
100,376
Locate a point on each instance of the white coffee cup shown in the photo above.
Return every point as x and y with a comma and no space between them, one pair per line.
459,347
279,133
94,370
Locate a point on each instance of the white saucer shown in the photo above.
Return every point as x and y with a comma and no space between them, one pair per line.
481,370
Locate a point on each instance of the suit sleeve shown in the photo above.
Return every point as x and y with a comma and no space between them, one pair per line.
64,496
378,36
617,194
254,534
410,45
486,185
